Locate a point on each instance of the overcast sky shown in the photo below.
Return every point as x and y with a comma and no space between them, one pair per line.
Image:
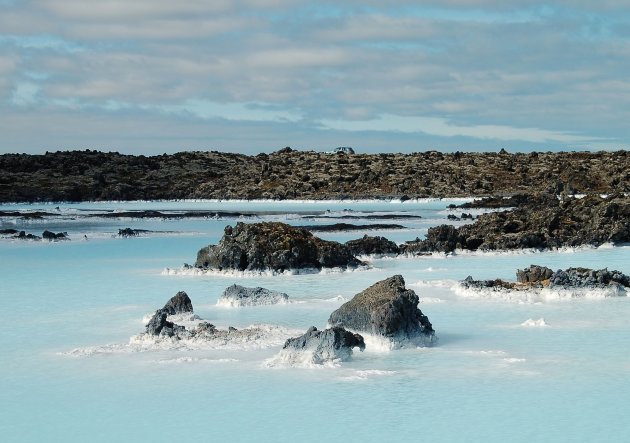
152,76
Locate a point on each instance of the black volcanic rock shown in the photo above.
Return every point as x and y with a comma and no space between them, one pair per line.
237,295
51,236
179,304
273,246
330,344
92,175
159,325
537,277
373,245
542,223
386,309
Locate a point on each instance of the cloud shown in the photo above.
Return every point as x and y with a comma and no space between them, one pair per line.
473,71
443,128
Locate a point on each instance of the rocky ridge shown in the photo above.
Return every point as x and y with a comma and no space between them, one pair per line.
541,222
538,277
289,174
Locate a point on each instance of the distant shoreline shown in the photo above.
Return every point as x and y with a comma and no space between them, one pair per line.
81,176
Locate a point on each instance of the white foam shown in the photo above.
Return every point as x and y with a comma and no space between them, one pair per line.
257,336
179,360
186,319
514,360
368,373
531,323
230,303
537,295
288,358
192,271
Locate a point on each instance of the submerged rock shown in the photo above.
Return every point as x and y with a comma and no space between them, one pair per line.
373,246
273,246
389,310
237,295
323,346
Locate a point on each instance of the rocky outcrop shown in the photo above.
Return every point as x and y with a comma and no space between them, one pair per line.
386,309
128,232
90,175
320,347
180,303
238,296
160,326
51,236
542,223
273,246
373,246
537,277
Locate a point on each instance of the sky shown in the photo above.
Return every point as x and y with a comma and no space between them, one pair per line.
250,76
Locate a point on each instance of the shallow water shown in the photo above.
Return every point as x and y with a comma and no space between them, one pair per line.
496,374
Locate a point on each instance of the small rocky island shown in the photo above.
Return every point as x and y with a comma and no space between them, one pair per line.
273,246
320,347
386,310
540,221
539,277
239,296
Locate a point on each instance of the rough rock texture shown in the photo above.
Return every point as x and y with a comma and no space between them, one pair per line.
51,236
328,345
540,276
273,246
237,295
544,222
179,304
373,245
386,309
128,232
91,175
533,274
160,326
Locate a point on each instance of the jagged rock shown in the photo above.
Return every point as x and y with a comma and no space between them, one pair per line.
180,303
160,326
324,346
237,295
533,274
273,246
537,277
24,236
372,245
128,232
386,309
51,236
588,278
542,222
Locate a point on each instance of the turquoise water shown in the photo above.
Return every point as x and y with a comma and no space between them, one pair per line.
69,309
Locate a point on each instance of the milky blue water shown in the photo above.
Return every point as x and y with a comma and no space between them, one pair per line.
70,308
